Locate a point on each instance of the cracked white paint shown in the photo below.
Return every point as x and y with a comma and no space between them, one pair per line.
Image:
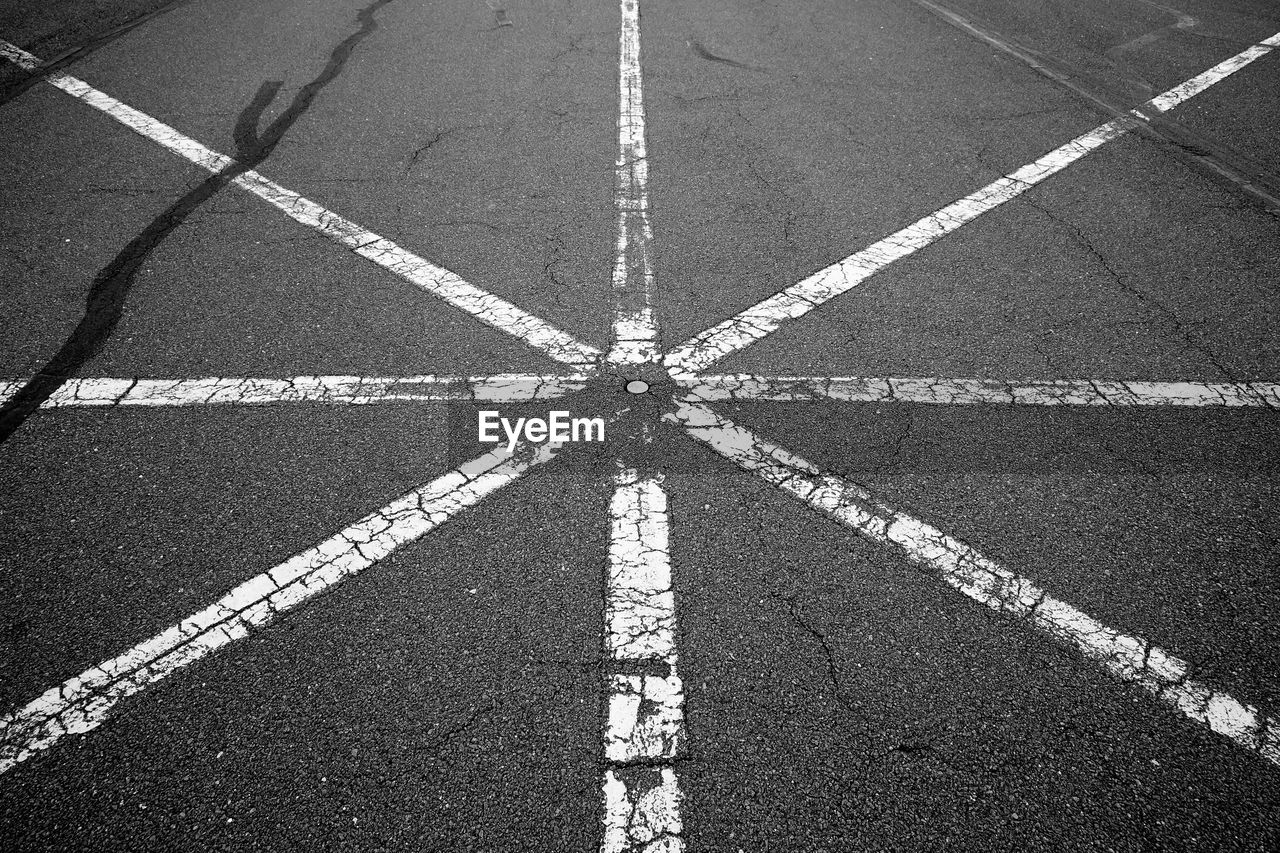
764,318
439,282
924,389
635,328
644,816
83,702
645,724
1130,659
646,718
258,391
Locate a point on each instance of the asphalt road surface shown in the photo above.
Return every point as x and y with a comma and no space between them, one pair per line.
917,488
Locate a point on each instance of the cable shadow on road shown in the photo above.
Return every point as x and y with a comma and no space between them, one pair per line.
109,293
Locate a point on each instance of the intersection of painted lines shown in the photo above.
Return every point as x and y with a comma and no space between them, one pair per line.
1129,658
84,702
447,286
635,330
259,391
934,390
767,316
645,731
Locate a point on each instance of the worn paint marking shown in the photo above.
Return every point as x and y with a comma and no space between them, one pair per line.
644,730
925,389
263,391
767,316
1130,659
84,702
635,327
439,282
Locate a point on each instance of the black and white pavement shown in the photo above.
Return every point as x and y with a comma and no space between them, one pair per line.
882,403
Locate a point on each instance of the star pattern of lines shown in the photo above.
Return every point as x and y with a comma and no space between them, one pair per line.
644,733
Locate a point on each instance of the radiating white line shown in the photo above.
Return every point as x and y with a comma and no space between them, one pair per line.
484,306
645,728
764,318
926,389
259,391
1130,659
635,328
82,703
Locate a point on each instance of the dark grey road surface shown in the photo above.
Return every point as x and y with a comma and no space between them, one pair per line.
452,696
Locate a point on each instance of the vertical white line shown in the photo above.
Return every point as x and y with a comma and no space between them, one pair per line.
635,329
645,733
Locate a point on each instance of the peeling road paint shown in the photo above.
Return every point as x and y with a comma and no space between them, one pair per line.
1130,659
926,389
644,732
484,306
766,317
644,735
82,703
261,391
635,328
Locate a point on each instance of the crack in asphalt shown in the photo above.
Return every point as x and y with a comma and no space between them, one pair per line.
1144,297
1252,179
105,303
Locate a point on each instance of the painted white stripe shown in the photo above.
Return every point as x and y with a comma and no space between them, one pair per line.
648,822
645,730
82,703
259,391
925,389
439,282
635,328
764,318
1130,659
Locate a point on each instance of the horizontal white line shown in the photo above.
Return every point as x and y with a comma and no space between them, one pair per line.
260,391
82,703
926,389
764,318
484,306
1130,659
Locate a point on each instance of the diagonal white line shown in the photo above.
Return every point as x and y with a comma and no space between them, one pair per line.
1029,392
261,391
439,282
635,327
1130,659
645,732
764,318
82,703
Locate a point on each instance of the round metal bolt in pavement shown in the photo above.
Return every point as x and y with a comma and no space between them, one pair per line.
637,386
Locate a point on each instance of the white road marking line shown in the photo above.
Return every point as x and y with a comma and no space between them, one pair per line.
260,391
1130,659
82,703
764,318
635,328
648,822
645,730
439,282
925,389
